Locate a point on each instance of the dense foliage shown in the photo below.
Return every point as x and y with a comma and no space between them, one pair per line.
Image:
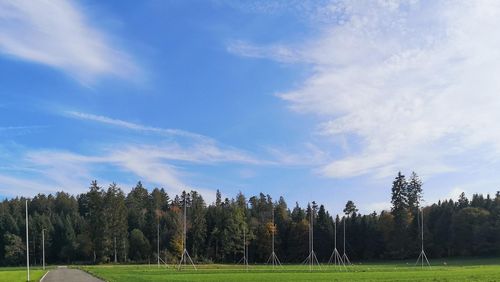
105,225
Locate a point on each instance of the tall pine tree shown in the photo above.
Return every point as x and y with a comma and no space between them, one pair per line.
400,214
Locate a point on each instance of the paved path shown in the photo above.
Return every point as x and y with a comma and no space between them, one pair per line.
64,274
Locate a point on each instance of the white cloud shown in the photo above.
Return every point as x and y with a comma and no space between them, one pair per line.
19,130
162,163
308,155
414,83
13,186
14,128
151,163
197,148
134,126
378,207
455,193
276,52
309,11
53,170
58,34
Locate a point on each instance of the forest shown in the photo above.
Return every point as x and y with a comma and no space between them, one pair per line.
105,225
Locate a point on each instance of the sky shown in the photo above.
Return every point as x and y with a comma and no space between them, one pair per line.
310,100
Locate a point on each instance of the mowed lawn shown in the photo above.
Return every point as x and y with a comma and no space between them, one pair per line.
456,270
14,274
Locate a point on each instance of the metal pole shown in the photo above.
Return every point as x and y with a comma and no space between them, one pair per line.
114,245
422,236
311,240
335,233
185,229
344,235
158,242
43,248
422,229
273,233
27,244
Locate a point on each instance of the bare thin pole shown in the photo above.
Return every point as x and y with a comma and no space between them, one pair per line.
158,242
422,229
311,259
336,258
273,258
244,259
422,255
185,255
273,232
345,258
311,238
308,259
272,212
43,248
27,244
185,227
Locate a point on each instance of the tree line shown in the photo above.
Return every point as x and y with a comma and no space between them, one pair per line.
106,225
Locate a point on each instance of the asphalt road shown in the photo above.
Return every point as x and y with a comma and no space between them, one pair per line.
64,274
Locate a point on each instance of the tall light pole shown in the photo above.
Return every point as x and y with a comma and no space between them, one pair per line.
27,244
43,248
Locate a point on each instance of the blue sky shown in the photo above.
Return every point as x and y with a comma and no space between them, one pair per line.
312,100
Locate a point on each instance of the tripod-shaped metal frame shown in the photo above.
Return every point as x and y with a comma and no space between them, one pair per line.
345,258
185,257
311,259
244,259
335,258
273,258
422,257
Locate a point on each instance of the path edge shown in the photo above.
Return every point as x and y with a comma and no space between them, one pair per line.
90,273
43,277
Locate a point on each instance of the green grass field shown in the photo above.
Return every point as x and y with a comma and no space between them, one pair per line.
13,274
454,270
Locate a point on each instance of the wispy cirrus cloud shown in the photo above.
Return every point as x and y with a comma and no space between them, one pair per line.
311,12
20,130
276,52
307,155
133,126
59,34
412,82
195,147
163,163
16,186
